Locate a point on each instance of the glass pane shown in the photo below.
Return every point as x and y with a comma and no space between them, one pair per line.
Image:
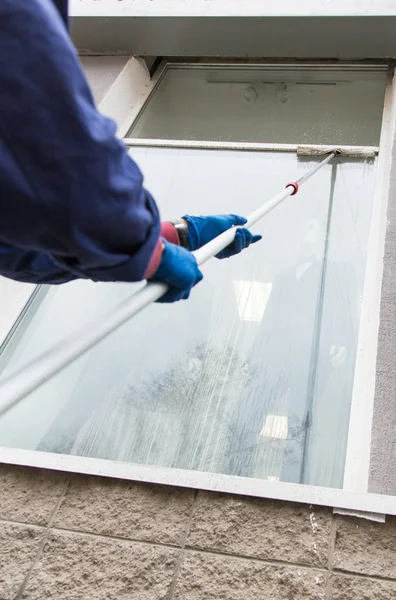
13,297
251,376
260,104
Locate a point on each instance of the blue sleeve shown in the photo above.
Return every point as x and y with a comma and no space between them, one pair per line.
30,266
62,6
68,187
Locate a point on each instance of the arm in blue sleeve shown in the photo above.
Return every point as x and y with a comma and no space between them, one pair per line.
68,187
30,266
62,7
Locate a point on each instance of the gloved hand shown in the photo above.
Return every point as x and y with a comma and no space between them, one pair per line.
178,268
202,230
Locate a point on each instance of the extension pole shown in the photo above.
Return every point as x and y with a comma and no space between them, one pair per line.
15,387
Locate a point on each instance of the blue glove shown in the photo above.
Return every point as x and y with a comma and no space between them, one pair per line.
178,268
202,230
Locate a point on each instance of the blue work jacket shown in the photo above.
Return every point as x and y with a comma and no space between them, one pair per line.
72,202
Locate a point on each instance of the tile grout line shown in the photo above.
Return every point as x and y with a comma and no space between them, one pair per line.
262,561
180,558
39,552
176,546
23,524
193,549
330,558
353,575
116,538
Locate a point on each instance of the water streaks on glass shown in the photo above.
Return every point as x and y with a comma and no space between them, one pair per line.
253,375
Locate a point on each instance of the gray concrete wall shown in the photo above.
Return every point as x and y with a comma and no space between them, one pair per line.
383,448
78,537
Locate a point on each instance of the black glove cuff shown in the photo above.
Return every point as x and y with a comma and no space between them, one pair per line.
182,231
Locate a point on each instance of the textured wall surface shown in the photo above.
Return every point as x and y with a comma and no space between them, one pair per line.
75,537
383,455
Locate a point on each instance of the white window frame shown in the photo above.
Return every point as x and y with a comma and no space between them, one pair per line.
354,495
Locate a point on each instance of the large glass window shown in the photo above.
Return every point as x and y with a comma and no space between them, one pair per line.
253,375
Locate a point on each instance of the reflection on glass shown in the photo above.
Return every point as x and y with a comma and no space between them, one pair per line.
252,298
253,375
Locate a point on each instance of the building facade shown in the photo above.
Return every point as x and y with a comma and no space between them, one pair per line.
253,453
